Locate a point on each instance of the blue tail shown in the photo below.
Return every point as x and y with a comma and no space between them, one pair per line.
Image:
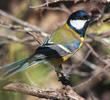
11,69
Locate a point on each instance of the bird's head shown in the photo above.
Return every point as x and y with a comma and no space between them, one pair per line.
78,21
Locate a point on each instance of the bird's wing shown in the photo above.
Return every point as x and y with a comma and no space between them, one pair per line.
51,51
56,50
61,43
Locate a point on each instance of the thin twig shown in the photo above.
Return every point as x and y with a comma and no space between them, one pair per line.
14,38
107,19
97,75
32,27
85,58
19,29
35,37
95,53
47,3
57,9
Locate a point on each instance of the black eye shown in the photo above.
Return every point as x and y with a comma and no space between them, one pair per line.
83,17
86,17
80,17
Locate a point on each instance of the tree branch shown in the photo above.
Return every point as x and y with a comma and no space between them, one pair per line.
59,94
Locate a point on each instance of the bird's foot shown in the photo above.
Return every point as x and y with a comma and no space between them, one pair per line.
64,78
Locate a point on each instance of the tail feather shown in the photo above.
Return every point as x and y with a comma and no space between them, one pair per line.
10,69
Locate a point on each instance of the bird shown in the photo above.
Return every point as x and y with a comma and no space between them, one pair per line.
56,49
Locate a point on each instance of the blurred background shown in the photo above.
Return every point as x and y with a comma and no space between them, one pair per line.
85,68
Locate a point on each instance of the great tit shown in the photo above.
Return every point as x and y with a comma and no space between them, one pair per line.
56,49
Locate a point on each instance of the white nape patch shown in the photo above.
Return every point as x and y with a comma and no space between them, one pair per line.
78,24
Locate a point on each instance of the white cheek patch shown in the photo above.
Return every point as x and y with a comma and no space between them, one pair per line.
78,24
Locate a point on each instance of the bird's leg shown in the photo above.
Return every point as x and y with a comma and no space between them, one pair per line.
62,76
59,71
